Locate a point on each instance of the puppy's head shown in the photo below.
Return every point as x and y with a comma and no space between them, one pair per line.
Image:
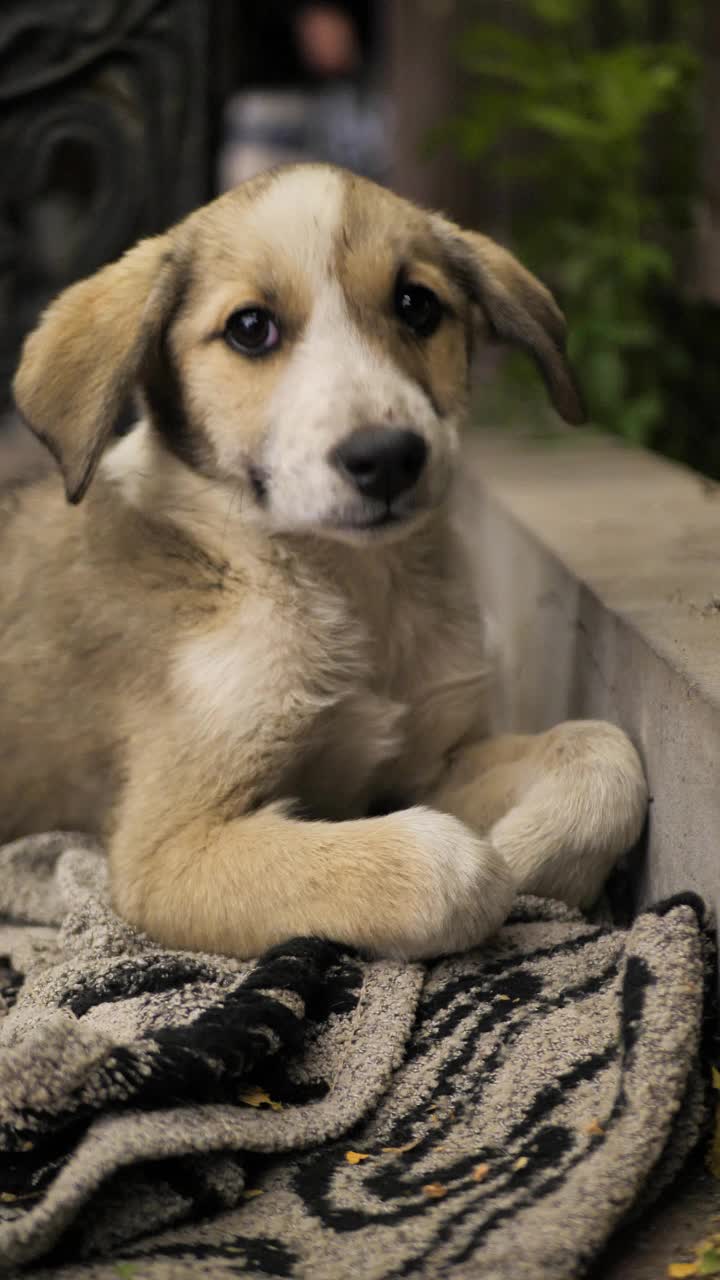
306,339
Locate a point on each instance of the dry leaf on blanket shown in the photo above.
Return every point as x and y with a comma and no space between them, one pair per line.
594,1128
257,1097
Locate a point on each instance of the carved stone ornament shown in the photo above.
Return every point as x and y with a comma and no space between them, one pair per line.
105,135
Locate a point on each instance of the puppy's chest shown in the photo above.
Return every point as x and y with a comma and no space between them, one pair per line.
390,734
341,703
432,665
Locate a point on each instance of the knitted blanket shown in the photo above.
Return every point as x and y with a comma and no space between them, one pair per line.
316,1114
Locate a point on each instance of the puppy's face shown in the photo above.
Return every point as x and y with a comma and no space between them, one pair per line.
322,347
305,340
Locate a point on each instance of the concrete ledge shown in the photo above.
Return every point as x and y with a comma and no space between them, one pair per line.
601,571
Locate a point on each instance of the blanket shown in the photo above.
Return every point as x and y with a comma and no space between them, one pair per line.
316,1113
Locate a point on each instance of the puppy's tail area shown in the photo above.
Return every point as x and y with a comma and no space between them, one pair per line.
582,805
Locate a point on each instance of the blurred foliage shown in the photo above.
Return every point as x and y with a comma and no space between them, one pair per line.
590,120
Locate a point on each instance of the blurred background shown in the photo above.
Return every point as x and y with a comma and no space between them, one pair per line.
585,134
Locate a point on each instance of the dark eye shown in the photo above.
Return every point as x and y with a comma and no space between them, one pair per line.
419,308
252,331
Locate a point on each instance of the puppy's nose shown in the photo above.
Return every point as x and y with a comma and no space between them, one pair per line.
382,462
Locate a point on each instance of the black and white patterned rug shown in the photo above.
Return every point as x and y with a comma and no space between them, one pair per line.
315,1114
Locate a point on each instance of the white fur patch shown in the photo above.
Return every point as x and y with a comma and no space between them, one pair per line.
233,678
297,216
469,886
336,380
129,462
294,698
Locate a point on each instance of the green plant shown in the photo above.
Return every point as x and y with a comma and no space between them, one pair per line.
597,143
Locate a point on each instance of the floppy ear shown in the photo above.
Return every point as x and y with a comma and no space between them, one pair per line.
520,310
79,365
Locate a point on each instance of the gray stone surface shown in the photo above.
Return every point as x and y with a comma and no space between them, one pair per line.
600,566
601,569
689,1213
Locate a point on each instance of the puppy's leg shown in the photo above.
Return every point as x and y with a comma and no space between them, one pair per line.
559,806
413,884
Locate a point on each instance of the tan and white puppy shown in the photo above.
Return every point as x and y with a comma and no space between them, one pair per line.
259,624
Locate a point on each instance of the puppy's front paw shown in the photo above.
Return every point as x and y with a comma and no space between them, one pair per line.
459,889
583,805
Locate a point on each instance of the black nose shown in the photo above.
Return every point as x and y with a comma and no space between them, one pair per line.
381,462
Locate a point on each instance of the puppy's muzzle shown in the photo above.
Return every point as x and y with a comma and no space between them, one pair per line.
381,462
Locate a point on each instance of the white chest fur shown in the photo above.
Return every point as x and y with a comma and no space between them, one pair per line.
336,691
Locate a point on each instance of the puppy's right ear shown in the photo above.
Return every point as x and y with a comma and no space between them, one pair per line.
79,365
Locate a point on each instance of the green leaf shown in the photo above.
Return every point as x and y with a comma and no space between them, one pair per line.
604,380
491,50
556,12
564,123
638,418
550,112
645,261
709,1263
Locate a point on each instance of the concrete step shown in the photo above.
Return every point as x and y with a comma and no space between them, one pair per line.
600,567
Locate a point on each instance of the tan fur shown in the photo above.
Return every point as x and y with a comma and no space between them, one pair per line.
223,682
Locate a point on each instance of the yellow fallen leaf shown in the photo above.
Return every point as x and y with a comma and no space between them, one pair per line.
257,1097
252,1193
435,1190
479,1172
502,998
440,1112
677,1270
520,1162
354,1157
594,1128
7,1197
400,1151
715,1078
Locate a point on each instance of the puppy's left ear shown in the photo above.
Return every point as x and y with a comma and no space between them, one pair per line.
80,364
519,310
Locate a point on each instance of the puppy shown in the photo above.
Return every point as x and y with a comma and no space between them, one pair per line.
259,625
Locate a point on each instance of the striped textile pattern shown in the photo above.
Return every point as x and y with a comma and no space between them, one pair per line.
318,1114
